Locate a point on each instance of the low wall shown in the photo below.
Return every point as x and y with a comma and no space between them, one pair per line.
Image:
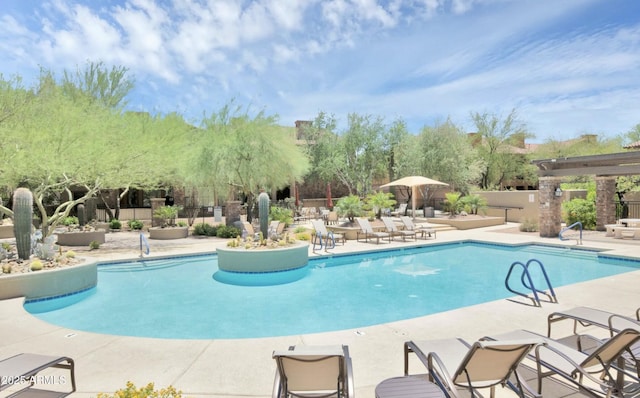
80,238
528,200
49,283
468,223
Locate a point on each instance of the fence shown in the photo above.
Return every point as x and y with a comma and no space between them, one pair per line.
629,209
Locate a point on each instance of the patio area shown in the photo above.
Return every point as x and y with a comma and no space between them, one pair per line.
244,367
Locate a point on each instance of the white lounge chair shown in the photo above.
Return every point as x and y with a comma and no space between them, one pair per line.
596,374
325,238
367,230
313,372
23,368
423,230
394,231
459,367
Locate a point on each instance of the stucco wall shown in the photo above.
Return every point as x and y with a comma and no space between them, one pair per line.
528,200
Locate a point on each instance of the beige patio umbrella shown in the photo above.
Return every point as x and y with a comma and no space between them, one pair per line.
413,182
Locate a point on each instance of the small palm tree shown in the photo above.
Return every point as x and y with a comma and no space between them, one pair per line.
474,203
452,203
378,201
350,207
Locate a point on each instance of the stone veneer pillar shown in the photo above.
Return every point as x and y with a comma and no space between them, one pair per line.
232,211
550,207
605,204
156,203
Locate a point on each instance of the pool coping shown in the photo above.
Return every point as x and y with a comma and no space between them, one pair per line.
243,368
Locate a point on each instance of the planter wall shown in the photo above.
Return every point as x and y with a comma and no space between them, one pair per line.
49,283
6,231
168,233
263,260
470,223
80,238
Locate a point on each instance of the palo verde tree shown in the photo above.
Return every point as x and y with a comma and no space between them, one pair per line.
355,156
441,152
247,153
62,149
497,141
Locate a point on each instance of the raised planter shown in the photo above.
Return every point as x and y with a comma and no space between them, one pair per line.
80,238
168,233
49,283
349,233
263,260
468,222
6,231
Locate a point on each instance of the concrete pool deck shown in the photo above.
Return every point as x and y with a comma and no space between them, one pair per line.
244,367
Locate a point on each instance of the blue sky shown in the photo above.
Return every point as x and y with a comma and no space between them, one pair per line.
568,67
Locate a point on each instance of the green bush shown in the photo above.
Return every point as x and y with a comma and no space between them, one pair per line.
582,210
281,214
71,220
131,391
115,224
227,231
135,224
474,203
204,229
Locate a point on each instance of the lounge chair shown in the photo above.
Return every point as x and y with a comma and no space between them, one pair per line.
325,238
587,316
394,231
423,230
367,230
597,374
313,371
400,211
459,367
23,368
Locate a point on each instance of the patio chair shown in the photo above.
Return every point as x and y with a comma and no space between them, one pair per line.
393,230
402,208
323,237
459,367
423,230
598,374
367,230
587,316
313,371
23,368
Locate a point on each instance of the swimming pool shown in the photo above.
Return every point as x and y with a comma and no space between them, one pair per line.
180,298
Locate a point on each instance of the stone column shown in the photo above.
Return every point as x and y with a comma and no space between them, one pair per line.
232,211
156,203
550,207
605,204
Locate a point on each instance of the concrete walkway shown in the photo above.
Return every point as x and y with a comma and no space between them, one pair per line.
244,367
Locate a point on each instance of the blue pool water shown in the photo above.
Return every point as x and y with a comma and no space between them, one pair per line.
180,298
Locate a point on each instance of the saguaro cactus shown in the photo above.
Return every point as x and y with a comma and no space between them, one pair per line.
82,215
263,213
22,221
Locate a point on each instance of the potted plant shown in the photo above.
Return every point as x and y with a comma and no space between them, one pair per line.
169,229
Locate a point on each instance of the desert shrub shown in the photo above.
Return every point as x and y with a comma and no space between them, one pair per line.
299,229
131,391
281,214
135,224
204,229
528,225
71,220
304,236
583,210
474,203
114,223
227,231
94,245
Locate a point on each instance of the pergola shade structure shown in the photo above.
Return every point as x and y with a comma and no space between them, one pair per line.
604,167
